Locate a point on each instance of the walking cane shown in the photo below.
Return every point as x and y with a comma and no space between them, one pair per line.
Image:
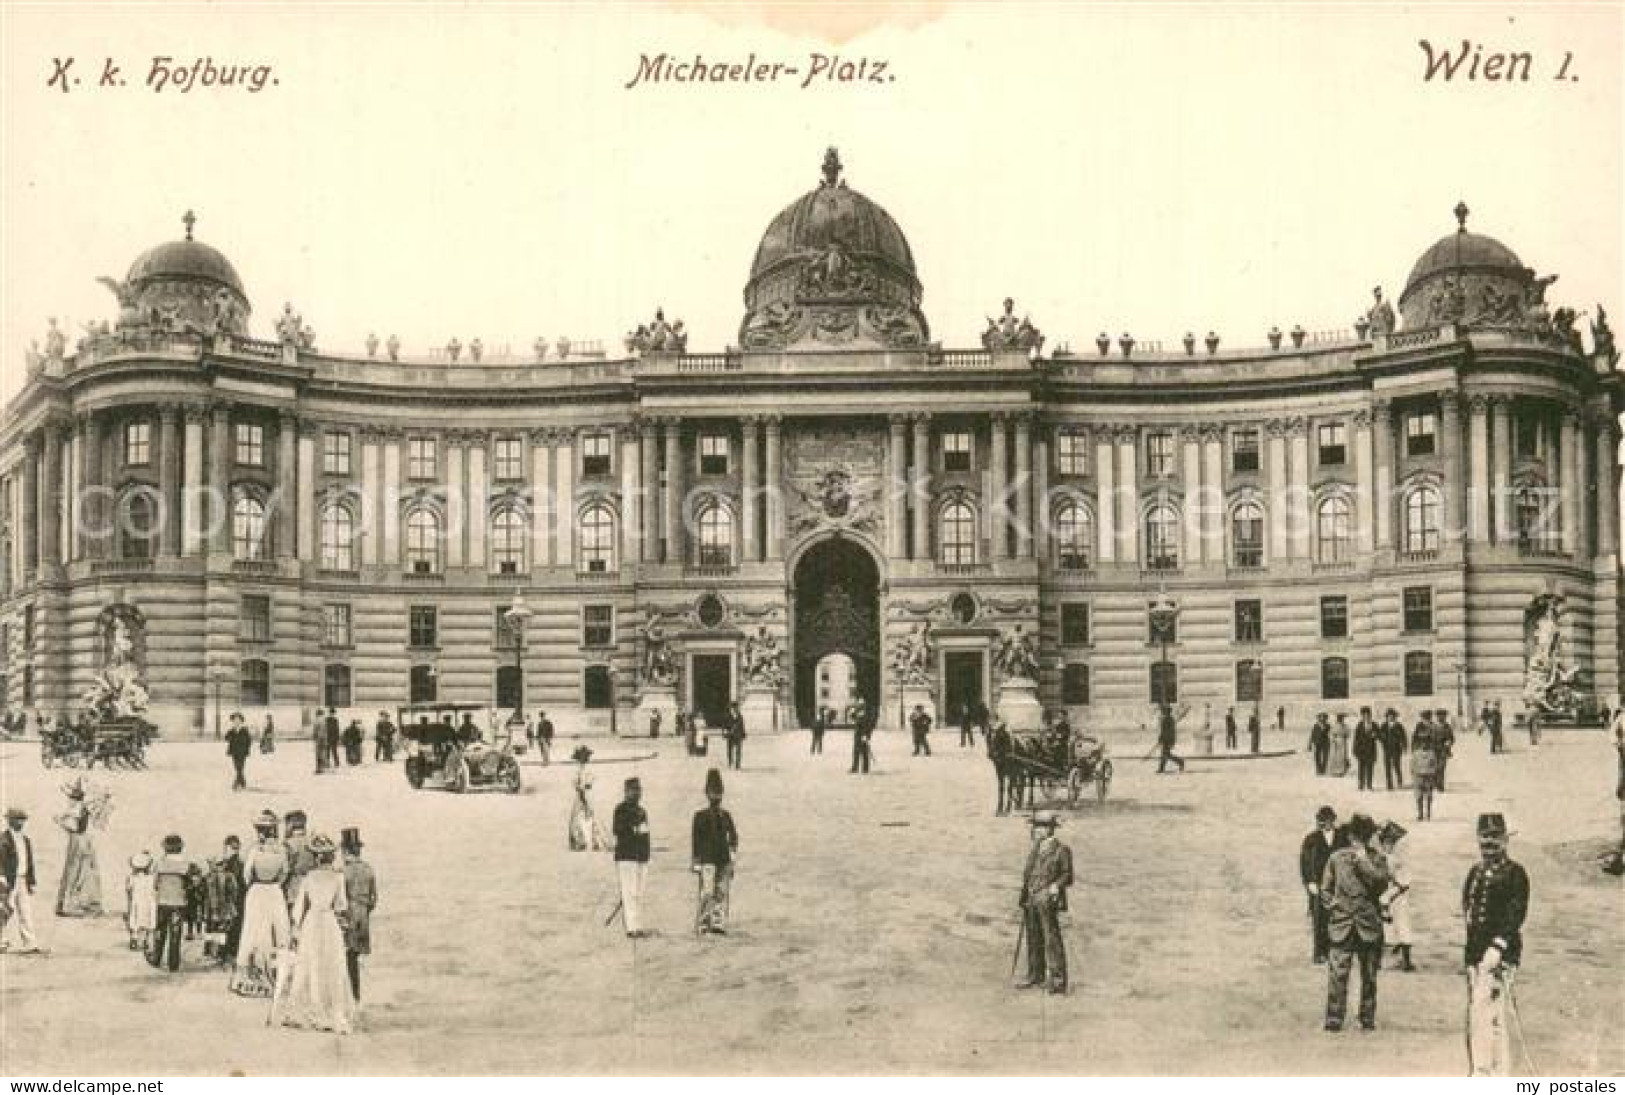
1021,935
699,899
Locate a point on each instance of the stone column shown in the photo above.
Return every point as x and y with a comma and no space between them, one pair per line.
307,491
389,497
1382,499
479,521
1298,493
775,494
564,492
287,485
541,500
87,509
192,512
1213,496
920,493
1278,488
1607,483
626,456
1041,534
169,463
1105,492
671,520
749,490
50,518
31,502
220,479
456,498
1455,467
648,444
896,489
371,519
1023,487
1190,451
1128,510
1365,487
998,526
1568,463
1501,469
1478,459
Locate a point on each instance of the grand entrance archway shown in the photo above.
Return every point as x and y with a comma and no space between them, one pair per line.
837,612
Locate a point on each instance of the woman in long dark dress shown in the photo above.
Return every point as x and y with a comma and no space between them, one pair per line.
80,893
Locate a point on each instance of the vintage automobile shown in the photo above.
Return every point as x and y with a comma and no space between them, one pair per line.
445,749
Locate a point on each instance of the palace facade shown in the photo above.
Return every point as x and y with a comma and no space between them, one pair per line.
1338,519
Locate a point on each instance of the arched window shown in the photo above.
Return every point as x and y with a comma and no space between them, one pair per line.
1247,534
423,542
1162,538
957,533
338,538
1074,537
716,536
1422,520
597,536
508,541
138,523
248,528
1334,524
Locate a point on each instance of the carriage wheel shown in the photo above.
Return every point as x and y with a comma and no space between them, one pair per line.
414,772
459,779
1103,780
510,777
1074,786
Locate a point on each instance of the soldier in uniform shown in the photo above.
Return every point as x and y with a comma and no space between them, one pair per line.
1043,897
1494,901
361,897
715,851
1356,877
1316,850
631,827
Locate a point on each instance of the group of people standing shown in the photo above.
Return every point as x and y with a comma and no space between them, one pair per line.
1431,744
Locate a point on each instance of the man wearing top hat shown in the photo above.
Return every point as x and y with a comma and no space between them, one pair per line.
361,895
239,743
17,867
631,827
716,848
1044,883
1494,901
1391,736
1356,877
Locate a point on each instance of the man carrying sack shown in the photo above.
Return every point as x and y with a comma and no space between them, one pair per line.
716,850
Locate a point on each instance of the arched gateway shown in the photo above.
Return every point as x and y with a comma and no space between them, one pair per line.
836,604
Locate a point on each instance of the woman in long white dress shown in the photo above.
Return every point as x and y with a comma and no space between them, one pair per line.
585,832
80,892
318,994
265,912
1397,900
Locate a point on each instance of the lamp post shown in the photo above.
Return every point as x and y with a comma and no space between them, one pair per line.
518,615
217,676
1460,692
1164,613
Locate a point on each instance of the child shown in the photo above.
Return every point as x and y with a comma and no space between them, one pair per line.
1424,769
170,881
221,896
141,912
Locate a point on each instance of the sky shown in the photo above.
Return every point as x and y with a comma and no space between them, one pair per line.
440,171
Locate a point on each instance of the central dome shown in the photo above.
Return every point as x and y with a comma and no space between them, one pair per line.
1466,278
185,259
833,268
183,285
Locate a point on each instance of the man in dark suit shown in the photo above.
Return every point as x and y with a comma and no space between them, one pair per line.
329,751
1494,902
862,727
1320,742
1316,849
1044,883
919,724
1444,743
239,743
1365,750
1391,735
736,735
1255,731
715,851
1351,888
1229,727
820,724
17,867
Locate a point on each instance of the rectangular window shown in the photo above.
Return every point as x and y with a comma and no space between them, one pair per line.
713,454
1249,681
1159,454
1249,622
595,454
255,683
597,691
956,449
598,625
336,686
1418,608
138,443
1334,679
1334,617
421,458
1528,435
1418,673
28,686
1244,451
1333,442
1071,454
508,459
335,454
1164,683
1421,433
250,445
423,627
254,625
28,628
336,625
1075,685
1168,633
506,636
423,684
1074,624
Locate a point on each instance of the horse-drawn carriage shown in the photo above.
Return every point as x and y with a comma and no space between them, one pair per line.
442,751
116,742
1050,761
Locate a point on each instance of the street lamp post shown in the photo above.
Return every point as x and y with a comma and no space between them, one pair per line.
518,615
1164,612
217,676
1460,692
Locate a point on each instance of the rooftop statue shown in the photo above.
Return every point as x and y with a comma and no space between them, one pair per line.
540,348
1602,337
1380,315
1009,333
394,348
289,326
658,337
